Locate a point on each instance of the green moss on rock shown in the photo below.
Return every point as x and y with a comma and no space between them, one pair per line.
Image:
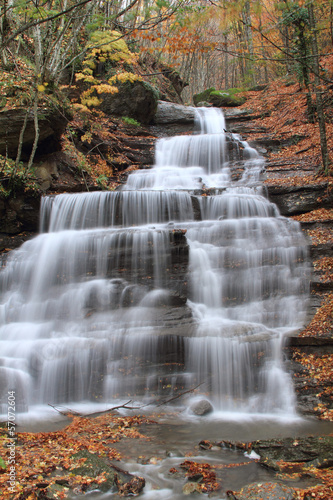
220,98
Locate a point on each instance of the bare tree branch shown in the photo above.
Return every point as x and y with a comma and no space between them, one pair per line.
37,22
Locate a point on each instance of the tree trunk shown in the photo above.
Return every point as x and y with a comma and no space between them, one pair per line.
249,61
35,144
319,100
226,62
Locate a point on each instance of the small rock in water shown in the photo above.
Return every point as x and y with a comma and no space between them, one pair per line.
202,407
174,453
190,488
205,445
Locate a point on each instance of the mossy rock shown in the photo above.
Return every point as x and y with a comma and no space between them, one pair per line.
137,100
116,479
315,451
220,98
203,96
95,466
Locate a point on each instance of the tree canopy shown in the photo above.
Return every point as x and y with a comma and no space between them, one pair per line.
211,43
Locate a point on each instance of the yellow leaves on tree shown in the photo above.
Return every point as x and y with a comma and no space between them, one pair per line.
104,47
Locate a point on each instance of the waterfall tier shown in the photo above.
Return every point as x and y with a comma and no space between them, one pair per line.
183,277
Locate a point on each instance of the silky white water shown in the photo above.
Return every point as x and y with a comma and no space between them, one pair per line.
96,309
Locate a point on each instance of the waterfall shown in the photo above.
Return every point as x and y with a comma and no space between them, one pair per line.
186,276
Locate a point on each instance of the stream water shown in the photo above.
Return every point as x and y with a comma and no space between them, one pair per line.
187,276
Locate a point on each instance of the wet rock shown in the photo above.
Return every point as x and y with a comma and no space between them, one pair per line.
322,344
190,488
205,445
116,478
265,491
316,451
132,487
234,114
174,453
235,445
202,407
131,296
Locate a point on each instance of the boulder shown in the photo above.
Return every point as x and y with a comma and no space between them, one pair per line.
202,407
136,100
203,96
220,98
226,99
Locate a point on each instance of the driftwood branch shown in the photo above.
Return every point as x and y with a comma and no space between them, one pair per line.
67,412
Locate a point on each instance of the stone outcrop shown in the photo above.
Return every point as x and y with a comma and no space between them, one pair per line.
20,213
52,123
293,200
168,112
137,100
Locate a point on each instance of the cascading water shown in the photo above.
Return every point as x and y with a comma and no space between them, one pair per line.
95,307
